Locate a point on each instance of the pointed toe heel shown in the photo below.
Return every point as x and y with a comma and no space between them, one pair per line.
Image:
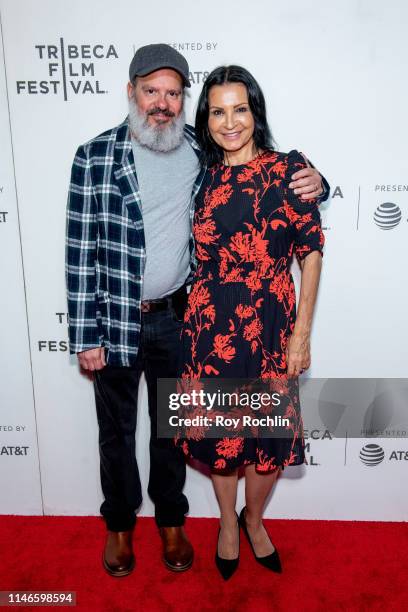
272,561
226,567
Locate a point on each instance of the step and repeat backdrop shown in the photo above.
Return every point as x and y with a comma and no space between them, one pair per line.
333,77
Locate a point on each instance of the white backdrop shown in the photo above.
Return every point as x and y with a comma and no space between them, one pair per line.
334,78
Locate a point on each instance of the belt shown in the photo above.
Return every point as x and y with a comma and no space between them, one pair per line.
155,305
162,303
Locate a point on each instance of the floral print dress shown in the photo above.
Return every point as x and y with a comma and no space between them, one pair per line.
241,309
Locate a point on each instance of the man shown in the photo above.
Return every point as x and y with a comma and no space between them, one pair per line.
129,254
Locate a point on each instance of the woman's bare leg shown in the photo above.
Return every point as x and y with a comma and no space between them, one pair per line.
225,486
257,489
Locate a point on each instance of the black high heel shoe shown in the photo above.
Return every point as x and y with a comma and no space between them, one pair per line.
226,567
271,561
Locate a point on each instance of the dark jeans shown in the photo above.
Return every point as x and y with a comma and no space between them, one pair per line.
116,390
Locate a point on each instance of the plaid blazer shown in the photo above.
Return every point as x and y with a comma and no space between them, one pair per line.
105,246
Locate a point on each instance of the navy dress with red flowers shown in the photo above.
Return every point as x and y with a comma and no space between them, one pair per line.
241,309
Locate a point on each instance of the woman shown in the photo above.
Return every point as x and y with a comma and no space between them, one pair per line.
240,320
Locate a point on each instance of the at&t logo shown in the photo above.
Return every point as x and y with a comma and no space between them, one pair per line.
372,454
387,215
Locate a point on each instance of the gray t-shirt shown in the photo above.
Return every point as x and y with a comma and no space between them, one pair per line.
166,182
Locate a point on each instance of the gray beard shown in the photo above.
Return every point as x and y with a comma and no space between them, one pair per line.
161,138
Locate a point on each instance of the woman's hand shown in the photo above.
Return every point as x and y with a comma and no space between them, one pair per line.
298,354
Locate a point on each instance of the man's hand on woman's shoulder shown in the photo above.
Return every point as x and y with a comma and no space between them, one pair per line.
307,183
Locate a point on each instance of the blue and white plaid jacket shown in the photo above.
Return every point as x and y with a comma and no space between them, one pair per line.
105,246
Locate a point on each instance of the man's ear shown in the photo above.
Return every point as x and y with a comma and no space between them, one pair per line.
130,89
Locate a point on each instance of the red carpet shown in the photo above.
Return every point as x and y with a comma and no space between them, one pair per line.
327,566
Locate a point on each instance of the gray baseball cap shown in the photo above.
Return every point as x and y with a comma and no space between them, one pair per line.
149,58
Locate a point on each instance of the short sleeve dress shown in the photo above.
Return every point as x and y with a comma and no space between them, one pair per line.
241,309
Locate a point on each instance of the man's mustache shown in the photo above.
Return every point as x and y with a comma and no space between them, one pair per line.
160,111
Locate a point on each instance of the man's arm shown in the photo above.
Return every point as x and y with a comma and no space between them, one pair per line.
81,234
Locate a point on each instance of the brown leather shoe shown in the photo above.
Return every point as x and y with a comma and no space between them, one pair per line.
118,558
177,550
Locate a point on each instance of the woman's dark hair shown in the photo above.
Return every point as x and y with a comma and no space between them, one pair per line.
211,152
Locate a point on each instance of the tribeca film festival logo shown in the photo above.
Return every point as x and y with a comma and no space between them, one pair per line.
336,192
373,454
314,434
388,214
56,346
3,213
70,69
